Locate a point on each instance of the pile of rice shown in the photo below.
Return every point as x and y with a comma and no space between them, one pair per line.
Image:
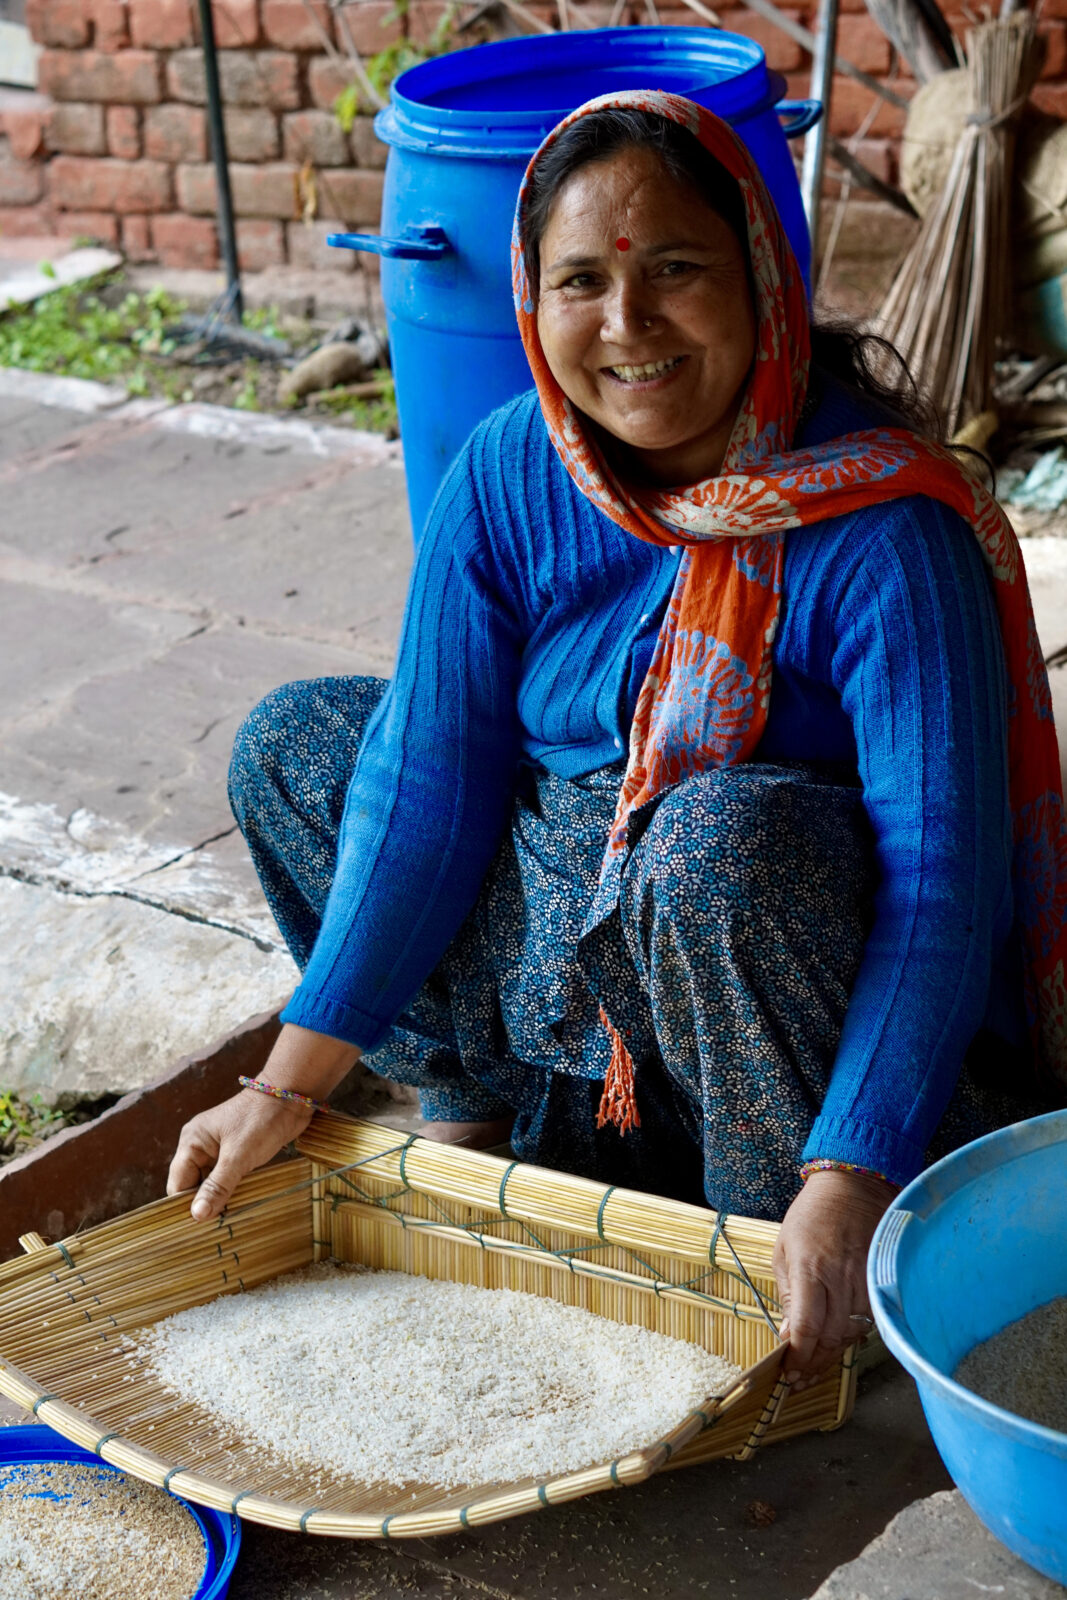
388,1378
1023,1368
73,1532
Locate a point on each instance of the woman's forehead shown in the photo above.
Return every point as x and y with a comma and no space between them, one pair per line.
632,196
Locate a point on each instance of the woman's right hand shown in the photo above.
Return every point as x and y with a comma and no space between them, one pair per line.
223,1144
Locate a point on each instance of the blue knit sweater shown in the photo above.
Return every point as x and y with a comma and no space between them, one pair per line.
529,626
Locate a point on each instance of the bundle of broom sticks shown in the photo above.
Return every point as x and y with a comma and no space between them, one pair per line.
950,303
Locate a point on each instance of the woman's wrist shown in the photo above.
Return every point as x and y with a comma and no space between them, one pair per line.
307,1064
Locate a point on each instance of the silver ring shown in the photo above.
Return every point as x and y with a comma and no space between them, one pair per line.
861,1316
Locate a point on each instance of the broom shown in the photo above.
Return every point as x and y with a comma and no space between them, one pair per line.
950,302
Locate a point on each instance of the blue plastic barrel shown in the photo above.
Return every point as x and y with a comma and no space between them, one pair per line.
977,1242
461,130
35,1445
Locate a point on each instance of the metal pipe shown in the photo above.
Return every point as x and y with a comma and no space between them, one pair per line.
227,233
822,76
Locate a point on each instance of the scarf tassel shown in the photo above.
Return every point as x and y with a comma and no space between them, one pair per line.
618,1104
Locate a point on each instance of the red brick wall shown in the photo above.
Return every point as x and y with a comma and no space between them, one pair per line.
122,153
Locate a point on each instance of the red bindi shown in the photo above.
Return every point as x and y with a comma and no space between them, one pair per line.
622,244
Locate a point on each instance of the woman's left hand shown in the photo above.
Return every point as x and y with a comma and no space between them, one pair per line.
820,1262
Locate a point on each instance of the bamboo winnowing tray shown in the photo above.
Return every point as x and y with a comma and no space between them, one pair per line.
410,1205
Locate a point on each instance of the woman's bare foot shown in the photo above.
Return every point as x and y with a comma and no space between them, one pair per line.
475,1135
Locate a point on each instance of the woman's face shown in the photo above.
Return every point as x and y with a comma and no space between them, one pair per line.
645,313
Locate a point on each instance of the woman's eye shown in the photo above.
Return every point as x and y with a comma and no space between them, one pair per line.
580,280
674,269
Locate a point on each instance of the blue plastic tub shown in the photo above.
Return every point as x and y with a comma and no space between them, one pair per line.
461,130
38,1444
975,1243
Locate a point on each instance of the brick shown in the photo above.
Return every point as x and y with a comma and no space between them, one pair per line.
372,24
266,191
861,41
236,23
25,222
307,247
60,24
162,24
251,134
327,78
185,241
124,132
287,25
137,239
21,182
352,197
315,136
131,77
850,105
108,185
175,133
425,20
260,244
76,130
367,149
1051,97
25,131
263,78
110,24
99,226
1054,35
783,54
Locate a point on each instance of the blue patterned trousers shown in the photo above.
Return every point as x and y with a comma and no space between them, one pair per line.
741,923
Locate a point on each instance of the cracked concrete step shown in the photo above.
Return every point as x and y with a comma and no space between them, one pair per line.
937,1549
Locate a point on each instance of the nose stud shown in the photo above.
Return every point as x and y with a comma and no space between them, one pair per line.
647,323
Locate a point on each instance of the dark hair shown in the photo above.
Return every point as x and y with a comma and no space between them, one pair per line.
864,363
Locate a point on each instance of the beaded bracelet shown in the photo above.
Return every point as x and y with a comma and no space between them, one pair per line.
262,1087
826,1164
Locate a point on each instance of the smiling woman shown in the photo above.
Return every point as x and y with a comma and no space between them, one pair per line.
785,949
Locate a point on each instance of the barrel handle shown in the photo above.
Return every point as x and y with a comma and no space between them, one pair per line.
882,1276
426,243
799,116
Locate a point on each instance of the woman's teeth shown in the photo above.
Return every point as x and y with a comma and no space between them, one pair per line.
651,369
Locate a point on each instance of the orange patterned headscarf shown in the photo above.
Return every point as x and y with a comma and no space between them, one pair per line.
704,701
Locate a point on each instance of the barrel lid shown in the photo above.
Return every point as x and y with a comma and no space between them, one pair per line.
502,99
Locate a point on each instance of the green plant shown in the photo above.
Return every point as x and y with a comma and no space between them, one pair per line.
75,331
24,1119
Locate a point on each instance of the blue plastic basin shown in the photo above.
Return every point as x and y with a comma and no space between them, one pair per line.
461,130
975,1243
37,1445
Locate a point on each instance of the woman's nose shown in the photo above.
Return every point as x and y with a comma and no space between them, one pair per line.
627,316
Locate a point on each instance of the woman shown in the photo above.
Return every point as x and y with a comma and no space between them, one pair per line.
805,917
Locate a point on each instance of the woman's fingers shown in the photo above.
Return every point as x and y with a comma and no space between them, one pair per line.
194,1157
222,1145
805,1304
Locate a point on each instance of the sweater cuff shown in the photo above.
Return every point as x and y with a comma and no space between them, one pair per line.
865,1144
333,1017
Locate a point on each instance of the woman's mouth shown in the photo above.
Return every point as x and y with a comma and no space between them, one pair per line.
648,372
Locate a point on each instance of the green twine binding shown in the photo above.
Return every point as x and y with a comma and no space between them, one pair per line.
100,1443
403,1158
236,1501
664,1444
173,1473
542,1495
65,1253
385,1526
600,1213
43,1401
310,1512
501,1207
615,1472
464,1519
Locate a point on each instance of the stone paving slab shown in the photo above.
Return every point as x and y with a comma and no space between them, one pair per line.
161,569
937,1549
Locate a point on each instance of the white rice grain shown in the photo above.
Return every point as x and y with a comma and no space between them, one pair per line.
1023,1368
389,1378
